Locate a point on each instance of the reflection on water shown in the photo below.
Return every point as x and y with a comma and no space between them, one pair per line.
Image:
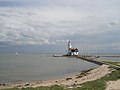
31,67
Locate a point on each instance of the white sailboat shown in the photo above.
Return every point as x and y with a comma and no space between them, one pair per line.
16,54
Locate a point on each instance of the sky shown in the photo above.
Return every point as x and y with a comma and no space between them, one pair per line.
93,26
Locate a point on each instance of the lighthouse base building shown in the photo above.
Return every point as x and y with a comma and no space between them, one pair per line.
72,51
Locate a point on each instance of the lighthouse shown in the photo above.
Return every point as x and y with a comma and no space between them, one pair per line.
69,48
72,51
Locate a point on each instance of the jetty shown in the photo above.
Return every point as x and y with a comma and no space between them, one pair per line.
84,57
90,60
74,52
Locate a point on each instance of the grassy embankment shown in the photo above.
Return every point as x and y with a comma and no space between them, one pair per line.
55,87
112,62
99,84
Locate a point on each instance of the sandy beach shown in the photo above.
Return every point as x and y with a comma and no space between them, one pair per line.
113,85
93,74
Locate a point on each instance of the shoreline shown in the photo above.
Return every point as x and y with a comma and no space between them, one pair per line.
68,81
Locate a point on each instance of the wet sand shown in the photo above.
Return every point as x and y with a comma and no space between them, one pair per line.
93,74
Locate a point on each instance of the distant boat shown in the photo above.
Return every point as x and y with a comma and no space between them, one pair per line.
16,54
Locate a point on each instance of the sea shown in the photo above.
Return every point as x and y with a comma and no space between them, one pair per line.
105,56
38,67
110,57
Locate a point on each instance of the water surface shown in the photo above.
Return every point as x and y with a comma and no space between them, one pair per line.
32,67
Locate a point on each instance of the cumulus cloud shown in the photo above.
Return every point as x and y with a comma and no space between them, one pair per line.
29,27
88,25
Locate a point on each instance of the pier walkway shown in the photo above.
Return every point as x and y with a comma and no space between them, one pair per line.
90,60
96,61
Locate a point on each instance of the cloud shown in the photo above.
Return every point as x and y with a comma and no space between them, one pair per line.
102,8
87,24
34,27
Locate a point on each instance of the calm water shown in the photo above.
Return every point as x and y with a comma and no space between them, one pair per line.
32,67
110,56
106,56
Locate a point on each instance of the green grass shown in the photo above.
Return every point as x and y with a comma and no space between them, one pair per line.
112,62
55,87
99,84
92,85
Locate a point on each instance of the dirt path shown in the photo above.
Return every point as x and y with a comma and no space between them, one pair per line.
113,85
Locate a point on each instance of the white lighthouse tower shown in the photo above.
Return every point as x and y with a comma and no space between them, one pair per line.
72,51
69,48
